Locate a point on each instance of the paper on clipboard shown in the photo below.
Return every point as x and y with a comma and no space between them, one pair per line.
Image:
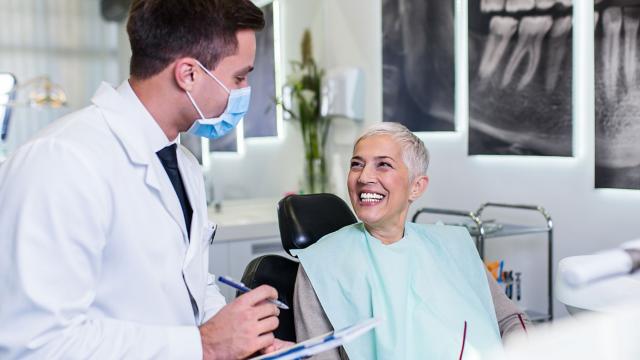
323,342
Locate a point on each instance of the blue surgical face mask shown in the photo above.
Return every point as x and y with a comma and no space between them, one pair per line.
237,107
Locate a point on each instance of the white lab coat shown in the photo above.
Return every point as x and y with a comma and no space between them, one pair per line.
94,255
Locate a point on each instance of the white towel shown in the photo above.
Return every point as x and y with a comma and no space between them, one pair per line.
631,244
581,270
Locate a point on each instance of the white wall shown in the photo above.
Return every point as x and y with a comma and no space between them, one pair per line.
270,167
349,33
585,219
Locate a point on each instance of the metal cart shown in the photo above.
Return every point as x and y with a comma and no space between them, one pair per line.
488,229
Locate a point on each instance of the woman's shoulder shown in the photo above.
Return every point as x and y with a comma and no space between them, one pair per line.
455,239
441,230
450,236
341,239
346,232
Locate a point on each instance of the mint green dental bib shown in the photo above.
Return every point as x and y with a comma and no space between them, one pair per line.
425,287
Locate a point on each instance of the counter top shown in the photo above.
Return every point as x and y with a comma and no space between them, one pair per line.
246,219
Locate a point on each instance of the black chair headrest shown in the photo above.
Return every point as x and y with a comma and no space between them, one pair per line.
279,272
304,219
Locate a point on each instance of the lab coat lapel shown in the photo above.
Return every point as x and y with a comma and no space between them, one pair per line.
120,116
195,196
191,270
169,197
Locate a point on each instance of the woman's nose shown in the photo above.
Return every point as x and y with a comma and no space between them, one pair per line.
367,175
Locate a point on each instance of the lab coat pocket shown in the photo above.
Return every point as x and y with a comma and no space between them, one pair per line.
209,233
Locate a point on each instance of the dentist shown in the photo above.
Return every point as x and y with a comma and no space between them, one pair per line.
104,237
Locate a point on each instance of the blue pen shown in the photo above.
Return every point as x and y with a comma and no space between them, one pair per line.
243,288
500,271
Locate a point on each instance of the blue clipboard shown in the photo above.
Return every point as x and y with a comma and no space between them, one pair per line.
323,342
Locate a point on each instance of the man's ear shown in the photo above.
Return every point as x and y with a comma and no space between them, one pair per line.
418,187
185,73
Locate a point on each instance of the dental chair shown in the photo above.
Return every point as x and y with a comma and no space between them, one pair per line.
303,220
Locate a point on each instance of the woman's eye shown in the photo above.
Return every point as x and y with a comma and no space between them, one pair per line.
385,164
240,79
355,164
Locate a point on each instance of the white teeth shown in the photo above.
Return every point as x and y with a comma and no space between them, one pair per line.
557,49
631,23
611,23
561,27
501,30
520,5
491,5
370,197
530,34
545,4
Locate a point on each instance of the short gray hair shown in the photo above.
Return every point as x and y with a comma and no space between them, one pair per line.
414,153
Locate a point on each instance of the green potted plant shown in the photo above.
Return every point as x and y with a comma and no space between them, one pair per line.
304,84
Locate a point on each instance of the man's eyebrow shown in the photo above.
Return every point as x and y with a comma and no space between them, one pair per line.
244,71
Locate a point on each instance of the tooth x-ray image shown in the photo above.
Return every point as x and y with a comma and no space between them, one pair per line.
520,73
260,121
617,96
418,65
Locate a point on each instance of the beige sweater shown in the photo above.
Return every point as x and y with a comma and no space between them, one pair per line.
311,320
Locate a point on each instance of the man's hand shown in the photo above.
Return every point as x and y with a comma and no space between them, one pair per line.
277,345
241,328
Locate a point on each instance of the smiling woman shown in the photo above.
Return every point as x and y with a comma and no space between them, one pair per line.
382,183
426,281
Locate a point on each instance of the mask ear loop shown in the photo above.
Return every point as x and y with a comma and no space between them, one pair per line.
214,77
194,105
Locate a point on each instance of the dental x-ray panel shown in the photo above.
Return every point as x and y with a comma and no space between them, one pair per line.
200,148
617,95
194,144
227,143
520,74
261,119
418,63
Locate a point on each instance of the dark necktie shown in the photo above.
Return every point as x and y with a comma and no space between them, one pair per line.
169,160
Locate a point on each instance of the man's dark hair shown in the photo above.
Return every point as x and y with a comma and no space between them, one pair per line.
161,31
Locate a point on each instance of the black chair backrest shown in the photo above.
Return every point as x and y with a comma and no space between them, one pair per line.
279,272
304,219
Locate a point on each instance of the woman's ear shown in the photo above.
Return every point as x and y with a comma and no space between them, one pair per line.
418,187
184,72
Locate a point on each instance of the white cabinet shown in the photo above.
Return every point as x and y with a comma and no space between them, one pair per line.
230,255
246,230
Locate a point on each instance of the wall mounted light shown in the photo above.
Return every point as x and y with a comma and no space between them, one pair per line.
7,94
40,92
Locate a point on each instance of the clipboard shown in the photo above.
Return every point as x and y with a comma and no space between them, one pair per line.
321,343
